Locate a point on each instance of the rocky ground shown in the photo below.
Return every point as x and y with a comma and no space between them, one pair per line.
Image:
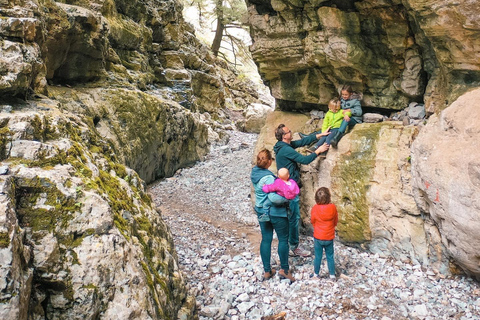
209,211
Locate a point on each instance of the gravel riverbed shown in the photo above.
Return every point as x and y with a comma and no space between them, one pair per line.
209,211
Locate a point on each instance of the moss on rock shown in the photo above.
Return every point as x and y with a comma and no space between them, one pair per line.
351,178
5,138
41,206
42,129
4,239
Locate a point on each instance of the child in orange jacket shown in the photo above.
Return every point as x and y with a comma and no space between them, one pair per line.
324,218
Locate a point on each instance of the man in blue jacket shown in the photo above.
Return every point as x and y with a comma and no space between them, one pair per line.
287,157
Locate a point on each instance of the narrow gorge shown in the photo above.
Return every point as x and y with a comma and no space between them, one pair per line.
99,98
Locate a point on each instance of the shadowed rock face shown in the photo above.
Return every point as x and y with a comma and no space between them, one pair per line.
394,52
127,44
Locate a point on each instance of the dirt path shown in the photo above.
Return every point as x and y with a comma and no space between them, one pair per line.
209,212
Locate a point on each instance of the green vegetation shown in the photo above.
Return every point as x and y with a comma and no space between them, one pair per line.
56,211
5,138
42,130
4,239
90,286
350,182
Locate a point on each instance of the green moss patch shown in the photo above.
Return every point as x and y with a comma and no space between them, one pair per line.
57,208
4,239
350,182
42,130
5,138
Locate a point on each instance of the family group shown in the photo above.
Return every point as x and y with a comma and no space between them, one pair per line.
277,201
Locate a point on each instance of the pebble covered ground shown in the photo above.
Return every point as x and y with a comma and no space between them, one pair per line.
209,211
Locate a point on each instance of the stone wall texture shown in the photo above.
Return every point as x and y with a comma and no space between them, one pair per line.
394,52
80,238
446,171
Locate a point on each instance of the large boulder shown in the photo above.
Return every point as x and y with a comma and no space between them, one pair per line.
446,171
370,179
255,117
294,121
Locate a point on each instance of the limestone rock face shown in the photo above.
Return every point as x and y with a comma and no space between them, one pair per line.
294,121
96,98
129,44
445,167
78,234
151,135
20,67
77,46
370,178
394,52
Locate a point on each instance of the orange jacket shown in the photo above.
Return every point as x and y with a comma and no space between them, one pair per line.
324,218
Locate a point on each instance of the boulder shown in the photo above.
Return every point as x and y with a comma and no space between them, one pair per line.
416,111
372,117
294,121
255,117
445,168
370,179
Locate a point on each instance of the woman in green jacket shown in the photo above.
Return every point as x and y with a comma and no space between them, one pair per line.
274,218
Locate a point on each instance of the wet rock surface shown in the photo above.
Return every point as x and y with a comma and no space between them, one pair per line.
209,212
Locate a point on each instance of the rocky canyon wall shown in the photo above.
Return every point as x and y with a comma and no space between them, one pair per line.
394,52
144,48
401,190
97,97
80,238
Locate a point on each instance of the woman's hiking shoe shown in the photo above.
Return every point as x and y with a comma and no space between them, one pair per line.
284,275
299,252
269,275
332,278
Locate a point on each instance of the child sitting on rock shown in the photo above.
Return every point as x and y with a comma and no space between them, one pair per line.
283,185
324,218
331,123
352,113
